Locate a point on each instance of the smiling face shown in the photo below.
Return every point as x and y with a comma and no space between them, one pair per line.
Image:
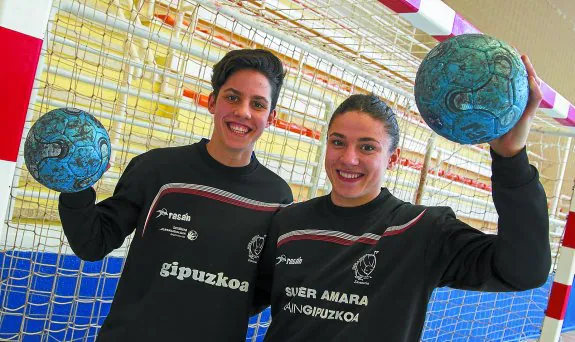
241,113
358,153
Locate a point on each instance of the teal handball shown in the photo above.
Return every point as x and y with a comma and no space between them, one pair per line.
67,150
471,88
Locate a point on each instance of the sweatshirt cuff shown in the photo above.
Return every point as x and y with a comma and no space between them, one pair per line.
77,200
511,171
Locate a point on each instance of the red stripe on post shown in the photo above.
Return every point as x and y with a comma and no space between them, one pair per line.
570,120
569,237
442,38
18,63
549,95
558,301
402,6
460,26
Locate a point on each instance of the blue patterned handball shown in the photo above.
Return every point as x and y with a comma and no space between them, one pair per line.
67,150
471,88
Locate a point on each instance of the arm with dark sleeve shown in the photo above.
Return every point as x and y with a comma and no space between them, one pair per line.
518,257
94,230
266,265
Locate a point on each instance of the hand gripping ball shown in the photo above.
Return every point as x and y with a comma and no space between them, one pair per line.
471,88
67,150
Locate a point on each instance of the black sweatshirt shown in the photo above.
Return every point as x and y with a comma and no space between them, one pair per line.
200,228
367,273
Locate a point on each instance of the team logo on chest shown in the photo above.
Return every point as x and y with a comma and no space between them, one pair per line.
363,267
255,247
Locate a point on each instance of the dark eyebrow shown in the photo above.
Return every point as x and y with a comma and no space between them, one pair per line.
368,139
237,92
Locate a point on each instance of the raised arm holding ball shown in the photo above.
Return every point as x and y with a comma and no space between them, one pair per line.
360,264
